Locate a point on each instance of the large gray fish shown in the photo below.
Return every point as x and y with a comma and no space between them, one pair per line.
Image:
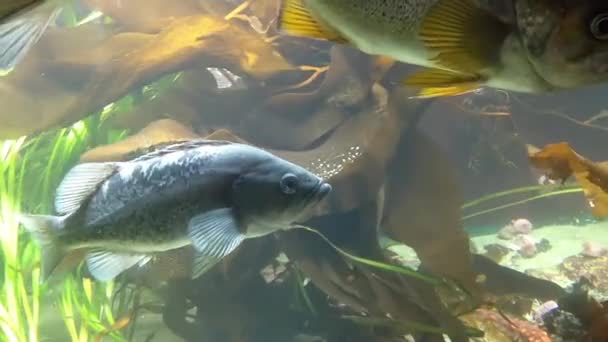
213,194
535,46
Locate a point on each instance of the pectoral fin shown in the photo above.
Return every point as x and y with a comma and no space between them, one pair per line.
215,233
465,36
296,20
106,265
437,82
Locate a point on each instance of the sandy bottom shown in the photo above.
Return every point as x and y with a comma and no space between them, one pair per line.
565,240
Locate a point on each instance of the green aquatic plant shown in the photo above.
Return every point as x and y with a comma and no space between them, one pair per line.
407,271
90,300
87,309
19,307
31,169
301,297
569,189
409,326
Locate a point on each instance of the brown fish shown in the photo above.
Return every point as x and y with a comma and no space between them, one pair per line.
547,45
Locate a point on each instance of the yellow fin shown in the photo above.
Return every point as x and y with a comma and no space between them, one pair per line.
466,37
437,82
296,20
428,93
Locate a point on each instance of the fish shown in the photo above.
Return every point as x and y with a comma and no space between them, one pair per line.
461,46
22,23
210,194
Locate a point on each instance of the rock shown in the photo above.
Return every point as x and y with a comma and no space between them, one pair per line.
516,227
496,252
552,274
518,306
499,329
527,246
593,249
542,310
543,246
505,233
564,325
594,269
592,314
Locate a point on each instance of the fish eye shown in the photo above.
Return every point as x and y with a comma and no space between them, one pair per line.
289,182
599,26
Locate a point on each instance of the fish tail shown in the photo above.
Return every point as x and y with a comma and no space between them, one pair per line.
22,31
46,230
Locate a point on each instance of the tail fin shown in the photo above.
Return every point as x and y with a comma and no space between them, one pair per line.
22,31
45,230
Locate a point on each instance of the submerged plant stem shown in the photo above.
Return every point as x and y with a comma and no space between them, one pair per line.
509,192
526,200
406,326
303,293
386,267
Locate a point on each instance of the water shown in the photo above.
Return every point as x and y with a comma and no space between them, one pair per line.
443,177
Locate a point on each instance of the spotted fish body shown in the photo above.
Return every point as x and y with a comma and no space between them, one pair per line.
147,203
378,27
207,193
396,29
529,46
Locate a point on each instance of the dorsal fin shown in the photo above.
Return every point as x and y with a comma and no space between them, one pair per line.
79,183
162,149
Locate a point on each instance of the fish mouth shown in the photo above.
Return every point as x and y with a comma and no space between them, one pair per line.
320,191
313,197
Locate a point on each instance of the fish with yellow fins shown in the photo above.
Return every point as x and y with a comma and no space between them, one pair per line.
543,46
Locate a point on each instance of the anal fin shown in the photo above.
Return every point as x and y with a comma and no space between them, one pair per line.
106,265
295,19
202,263
438,82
